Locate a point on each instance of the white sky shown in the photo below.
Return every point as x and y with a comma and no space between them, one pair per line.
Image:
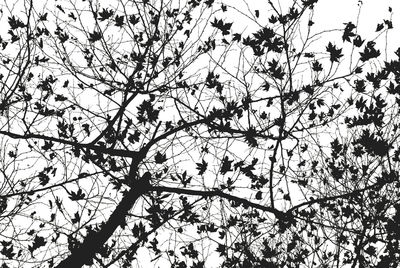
332,14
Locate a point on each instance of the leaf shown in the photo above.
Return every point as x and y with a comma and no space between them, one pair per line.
43,178
7,250
237,37
259,195
373,145
308,89
105,14
226,165
59,7
275,70
43,17
336,148
286,197
160,158
133,19
220,25
358,41
369,52
209,3
202,167
360,86
119,21
76,218
79,195
309,3
291,246
348,32
86,128
335,53
15,23
60,97
250,137
379,27
3,204
146,112
316,66
388,23
37,243
221,249
184,178
47,145
95,36
72,16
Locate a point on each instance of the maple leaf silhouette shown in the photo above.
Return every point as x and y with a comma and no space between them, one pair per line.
201,167
275,70
105,14
160,158
237,37
309,89
348,32
15,23
79,195
388,23
265,34
133,19
226,165
37,243
360,86
369,52
335,53
59,7
316,66
209,3
307,3
379,27
43,17
119,21
358,41
373,145
220,25
95,36
250,137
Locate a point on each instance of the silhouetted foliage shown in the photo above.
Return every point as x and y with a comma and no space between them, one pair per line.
192,133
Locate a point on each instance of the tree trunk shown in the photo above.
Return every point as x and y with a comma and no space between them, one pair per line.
94,241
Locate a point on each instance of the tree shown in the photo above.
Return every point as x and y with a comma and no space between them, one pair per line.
173,129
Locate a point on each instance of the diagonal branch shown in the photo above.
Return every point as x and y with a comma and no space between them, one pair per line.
330,198
94,241
96,148
218,193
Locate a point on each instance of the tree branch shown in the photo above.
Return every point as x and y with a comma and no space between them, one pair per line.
97,148
94,241
213,193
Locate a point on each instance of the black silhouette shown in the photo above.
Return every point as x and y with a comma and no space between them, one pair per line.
199,133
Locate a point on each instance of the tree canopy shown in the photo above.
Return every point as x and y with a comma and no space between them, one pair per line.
192,133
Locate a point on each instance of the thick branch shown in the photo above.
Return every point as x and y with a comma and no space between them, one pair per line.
330,198
213,193
94,241
96,148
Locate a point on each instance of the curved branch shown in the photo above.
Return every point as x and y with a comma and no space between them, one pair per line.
213,193
97,148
